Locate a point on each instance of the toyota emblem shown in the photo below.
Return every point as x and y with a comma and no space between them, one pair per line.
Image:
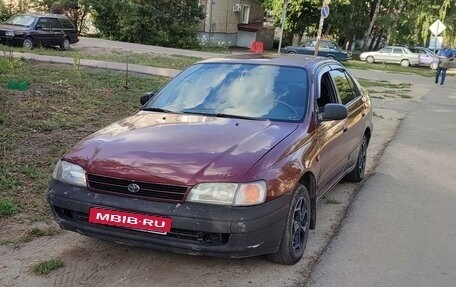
133,188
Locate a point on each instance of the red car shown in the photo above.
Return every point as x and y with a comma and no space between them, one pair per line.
228,159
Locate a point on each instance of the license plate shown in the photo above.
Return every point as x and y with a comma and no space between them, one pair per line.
130,220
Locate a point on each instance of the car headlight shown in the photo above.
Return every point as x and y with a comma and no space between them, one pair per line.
69,173
235,194
9,33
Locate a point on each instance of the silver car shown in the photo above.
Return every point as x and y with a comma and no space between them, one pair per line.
392,54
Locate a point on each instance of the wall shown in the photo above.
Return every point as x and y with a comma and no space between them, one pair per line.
245,39
223,19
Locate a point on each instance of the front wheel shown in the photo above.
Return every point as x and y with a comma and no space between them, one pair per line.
296,230
370,59
291,52
28,43
357,174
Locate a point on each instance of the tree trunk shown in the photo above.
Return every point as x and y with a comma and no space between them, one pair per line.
297,37
374,39
379,41
371,26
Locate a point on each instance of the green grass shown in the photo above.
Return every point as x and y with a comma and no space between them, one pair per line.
61,106
7,207
146,59
393,68
45,267
383,84
405,96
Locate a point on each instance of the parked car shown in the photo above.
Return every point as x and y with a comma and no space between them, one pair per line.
227,159
326,49
427,57
32,30
392,54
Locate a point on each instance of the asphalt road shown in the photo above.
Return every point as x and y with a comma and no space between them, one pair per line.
401,228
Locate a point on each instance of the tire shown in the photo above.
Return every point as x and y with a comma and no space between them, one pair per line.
28,43
296,230
292,52
331,57
434,65
65,45
357,174
370,60
405,63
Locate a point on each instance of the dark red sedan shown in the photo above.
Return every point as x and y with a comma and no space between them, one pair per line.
228,159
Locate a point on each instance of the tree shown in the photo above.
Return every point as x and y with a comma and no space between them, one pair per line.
170,23
76,10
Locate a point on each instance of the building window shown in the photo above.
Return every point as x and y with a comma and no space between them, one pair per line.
245,14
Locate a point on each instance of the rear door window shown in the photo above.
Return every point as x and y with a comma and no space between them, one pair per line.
55,23
398,51
344,86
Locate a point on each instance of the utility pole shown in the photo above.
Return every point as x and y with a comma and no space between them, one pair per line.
282,21
324,13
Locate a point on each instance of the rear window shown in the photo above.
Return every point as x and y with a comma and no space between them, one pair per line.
66,24
246,90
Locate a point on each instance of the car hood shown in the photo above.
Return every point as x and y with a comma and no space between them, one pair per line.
13,28
177,148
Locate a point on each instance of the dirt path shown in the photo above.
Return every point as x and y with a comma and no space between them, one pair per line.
90,262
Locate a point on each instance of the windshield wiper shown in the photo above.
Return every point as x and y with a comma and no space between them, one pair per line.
160,110
223,115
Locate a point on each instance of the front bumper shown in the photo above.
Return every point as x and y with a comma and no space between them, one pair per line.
9,40
198,229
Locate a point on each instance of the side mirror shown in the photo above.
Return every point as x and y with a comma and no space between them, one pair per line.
146,97
333,112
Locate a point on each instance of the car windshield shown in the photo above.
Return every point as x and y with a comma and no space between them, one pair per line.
259,92
332,45
20,20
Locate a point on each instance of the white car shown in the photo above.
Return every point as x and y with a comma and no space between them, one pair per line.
392,54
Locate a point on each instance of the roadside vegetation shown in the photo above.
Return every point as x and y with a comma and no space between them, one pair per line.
392,68
45,267
62,105
146,59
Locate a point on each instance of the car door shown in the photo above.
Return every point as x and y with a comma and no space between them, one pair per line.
350,95
323,49
57,30
330,136
383,55
397,55
43,34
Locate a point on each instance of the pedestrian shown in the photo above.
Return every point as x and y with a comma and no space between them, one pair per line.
445,55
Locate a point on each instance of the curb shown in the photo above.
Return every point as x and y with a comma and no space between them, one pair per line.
163,72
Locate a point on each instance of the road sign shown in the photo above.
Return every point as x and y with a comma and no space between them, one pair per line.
436,43
437,27
325,11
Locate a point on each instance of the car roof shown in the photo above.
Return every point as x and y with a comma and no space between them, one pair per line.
33,14
291,60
